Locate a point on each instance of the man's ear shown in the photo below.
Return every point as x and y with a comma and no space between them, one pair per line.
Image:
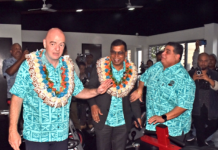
44,43
178,57
11,51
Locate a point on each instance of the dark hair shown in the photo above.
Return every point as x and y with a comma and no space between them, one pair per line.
159,53
178,48
81,63
119,42
90,55
150,61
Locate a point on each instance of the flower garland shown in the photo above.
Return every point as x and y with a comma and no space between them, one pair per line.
44,87
122,88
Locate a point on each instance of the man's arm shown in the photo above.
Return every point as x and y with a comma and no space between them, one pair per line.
195,55
177,111
14,68
15,108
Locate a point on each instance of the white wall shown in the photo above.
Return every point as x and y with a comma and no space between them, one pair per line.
74,41
209,32
11,31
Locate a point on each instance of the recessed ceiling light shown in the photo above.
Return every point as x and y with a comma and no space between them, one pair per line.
131,8
79,10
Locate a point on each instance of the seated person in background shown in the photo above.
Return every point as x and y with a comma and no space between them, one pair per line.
11,66
170,93
205,112
158,56
84,111
149,63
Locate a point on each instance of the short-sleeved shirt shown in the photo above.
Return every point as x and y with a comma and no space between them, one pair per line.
115,115
167,89
43,123
7,63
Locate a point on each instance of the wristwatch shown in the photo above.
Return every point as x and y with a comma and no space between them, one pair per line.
164,117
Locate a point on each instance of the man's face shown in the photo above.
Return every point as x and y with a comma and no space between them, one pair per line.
212,62
158,57
16,51
203,62
169,58
82,69
89,59
118,55
54,44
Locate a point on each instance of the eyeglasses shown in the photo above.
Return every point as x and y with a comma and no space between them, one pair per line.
120,53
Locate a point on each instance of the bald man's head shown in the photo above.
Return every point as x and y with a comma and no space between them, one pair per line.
203,61
16,51
54,44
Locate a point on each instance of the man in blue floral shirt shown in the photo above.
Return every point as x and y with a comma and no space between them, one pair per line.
170,93
44,85
11,66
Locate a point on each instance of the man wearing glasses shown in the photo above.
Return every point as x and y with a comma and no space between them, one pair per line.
112,112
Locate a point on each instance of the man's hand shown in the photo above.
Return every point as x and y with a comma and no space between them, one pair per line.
104,86
14,139
140,123
156,119
197,44
204,76
95,110
195,76
136,95
23,54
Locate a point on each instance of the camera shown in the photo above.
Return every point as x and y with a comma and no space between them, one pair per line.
81,57
198,71
85,80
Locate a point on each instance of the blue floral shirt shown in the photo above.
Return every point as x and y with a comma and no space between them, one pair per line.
7,63
115,116
167,89
43,123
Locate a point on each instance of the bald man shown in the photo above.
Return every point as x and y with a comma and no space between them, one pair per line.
45,83
205,112
11,66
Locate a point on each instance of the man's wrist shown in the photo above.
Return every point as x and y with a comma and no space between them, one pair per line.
164,117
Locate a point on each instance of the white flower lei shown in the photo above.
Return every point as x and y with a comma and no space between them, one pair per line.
41,88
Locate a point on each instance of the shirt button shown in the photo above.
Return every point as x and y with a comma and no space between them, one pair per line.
162,84
58,126
58,115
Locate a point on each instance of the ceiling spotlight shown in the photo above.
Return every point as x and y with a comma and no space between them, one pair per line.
131,8
79,10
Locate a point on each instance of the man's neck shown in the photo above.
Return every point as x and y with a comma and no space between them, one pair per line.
212,68
118,68
204,71
53,62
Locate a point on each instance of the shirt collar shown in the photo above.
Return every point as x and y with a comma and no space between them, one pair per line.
122,70
48,64
171,69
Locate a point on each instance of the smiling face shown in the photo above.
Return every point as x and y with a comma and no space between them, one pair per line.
118,55
169,57
54,44
16,51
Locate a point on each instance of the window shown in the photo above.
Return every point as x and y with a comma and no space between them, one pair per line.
188,51
129,55
139,58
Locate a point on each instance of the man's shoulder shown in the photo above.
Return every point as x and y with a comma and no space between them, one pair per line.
214,74
9,60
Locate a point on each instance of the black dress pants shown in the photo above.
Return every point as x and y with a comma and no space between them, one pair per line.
111,138
204,127
62,145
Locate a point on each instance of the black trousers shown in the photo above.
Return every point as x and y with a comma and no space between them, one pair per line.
111,138
204,127
62,145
